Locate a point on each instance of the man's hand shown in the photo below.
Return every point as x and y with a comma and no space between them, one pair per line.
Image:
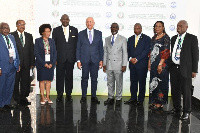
46,65
133,60
50,66
123,68
0,72
194,74
79,65
18,69
100,64
149,66
104,68
159,69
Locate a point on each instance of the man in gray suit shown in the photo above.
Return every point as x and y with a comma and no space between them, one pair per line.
114,63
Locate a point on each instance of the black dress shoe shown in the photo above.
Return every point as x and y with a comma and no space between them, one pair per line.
83,100
185,116
3,109
109,101
13,106
95,100
118,102
174,111
139,103
130,101
69,98
59,98
7,107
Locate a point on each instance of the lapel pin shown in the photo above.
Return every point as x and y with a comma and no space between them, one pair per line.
69,30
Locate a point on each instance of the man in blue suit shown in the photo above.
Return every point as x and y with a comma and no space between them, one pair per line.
89,55
9,64
138,49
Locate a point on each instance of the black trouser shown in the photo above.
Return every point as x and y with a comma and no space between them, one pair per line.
64,72
180,85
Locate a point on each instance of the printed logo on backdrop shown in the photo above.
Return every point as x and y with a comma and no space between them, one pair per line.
107,26
108,14
105,78
55,24
120,15
173,5
172,27
172,16
121,3
109,2
55,14
121,26
55,2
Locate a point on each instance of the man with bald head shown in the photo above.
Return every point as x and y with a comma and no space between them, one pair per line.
9,64
184,67
138,49
65,37
89,56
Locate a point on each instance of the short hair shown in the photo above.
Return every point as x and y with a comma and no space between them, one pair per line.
116,24
154,37
43,27
138,24
18,21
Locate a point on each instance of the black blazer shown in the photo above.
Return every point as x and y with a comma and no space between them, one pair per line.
65,50
140,52
26,53
189,55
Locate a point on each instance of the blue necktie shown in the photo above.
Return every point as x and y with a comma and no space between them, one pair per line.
112,42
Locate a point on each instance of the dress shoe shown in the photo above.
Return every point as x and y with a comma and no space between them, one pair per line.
49,102
118,102
59,98
185,116
13,106
3,109
174,111
140,103
109,101
130,101
69,98
83,100
7,107
95,100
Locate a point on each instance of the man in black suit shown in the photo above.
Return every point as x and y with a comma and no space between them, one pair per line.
65,37
184,66
25,49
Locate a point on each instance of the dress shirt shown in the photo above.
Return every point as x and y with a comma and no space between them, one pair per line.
67,32
12,45
19,34
92,33
134,42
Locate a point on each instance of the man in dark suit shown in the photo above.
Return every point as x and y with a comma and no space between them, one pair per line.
138,49
65,37
25,47
184,66
89,55
9,64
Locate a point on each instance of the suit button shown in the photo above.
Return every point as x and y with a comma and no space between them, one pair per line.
114,60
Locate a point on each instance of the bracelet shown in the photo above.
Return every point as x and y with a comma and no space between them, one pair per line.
160,64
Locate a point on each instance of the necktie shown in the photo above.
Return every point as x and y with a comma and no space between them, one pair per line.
90,37
112,42
136,41
21,39
178,50
9,47
65,30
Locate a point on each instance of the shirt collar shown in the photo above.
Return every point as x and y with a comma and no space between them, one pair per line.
181,36
138,35
19,33
115,35
65,27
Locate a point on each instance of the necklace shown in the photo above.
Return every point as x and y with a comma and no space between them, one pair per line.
158,35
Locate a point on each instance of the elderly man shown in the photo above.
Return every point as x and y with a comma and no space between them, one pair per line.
114,63
184,66
9,64
25,48
89,55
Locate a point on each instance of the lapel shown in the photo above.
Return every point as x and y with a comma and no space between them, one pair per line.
17,39
26,38
41,44
3,41
139,41
86,37
70,33
116,42
61,32
185,40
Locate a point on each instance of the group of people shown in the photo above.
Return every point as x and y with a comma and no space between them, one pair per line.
67,47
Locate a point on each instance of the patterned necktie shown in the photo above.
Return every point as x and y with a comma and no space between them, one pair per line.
21,39
178,49
90,37
9,47
112,42
136,41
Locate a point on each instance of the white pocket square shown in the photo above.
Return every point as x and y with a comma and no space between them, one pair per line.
73,36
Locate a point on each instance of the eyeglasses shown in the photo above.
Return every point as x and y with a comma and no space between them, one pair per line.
21,24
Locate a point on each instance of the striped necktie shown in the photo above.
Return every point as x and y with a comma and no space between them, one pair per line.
21,39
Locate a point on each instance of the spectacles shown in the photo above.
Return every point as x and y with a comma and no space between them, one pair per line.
21,24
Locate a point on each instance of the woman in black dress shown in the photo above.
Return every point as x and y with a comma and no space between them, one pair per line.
45,53
158,66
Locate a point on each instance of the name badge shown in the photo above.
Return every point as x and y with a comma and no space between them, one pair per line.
178,53
11,52
47,57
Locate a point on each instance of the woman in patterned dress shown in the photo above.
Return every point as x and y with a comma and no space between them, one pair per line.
158,67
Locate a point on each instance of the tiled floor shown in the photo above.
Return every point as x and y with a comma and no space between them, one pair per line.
63,117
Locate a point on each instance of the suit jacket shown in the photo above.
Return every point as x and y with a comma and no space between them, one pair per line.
40,53
87,52
189,56
26,53
115,56
65,50
4,55
140,52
